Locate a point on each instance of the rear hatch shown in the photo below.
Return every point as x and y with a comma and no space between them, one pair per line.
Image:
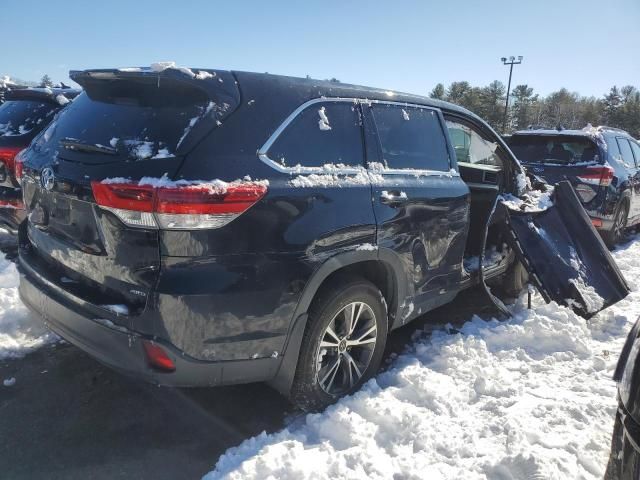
127,124
580,159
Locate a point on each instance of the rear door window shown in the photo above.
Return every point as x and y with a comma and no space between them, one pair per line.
411,138
19,117
626,152
324,133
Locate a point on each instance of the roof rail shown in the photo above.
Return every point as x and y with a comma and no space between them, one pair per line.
613,129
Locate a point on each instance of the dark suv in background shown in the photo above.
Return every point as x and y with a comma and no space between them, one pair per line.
201,227
602,163
24,114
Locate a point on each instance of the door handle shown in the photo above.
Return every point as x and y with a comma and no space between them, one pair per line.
393,197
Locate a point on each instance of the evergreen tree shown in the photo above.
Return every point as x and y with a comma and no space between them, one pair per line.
620,108
45,81
491,103
611,105
438,92
522,111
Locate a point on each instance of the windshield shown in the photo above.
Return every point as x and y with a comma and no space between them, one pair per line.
126,126
554,150
19,117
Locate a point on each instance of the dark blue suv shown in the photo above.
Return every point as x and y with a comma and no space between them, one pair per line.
207,227
24,114
602,163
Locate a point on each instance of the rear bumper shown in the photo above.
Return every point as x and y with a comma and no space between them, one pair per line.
122,350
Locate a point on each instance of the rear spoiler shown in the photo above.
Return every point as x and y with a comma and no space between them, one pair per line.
217,84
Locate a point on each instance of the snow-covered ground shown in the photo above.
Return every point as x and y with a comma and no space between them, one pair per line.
529,398
20,330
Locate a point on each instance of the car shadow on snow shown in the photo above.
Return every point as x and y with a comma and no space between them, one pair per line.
69,417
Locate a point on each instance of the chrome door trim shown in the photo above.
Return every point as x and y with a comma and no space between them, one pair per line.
301,170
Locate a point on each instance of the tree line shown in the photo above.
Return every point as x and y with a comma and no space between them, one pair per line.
619,108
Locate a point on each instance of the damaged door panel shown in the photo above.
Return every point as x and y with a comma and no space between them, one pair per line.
565,257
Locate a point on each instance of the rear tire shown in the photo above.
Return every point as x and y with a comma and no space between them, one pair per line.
338,355
614,236
515,279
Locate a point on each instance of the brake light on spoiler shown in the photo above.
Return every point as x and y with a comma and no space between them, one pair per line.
179,207
599,175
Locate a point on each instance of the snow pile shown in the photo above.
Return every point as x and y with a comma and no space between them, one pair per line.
338,175
531,397
531,201
491,257
162,66
214,186
20,330
5,81
62,100
323,123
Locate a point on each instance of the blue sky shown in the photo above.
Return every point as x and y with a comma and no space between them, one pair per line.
586,46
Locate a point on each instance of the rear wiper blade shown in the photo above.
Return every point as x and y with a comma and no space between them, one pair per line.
73,144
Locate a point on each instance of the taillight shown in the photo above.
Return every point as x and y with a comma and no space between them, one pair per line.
181,207
157,357
18,163
600,175
585,192
7,156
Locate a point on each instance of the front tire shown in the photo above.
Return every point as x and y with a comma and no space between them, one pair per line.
343,343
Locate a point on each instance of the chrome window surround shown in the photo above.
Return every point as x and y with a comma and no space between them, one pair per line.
301,170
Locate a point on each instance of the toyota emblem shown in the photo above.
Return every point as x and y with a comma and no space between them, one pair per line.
47,178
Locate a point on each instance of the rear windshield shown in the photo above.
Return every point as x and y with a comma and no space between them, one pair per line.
19,117
135,125
554,150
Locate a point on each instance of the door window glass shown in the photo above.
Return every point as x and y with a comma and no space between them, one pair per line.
625,151
636,152
324,133
470,146
411,138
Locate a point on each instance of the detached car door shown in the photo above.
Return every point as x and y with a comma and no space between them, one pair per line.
565,257
420,201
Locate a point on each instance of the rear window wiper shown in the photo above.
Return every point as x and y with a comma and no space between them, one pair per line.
73,144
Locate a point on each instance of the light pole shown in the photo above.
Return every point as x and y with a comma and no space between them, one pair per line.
511,61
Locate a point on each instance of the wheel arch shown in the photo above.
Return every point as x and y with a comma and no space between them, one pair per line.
381,266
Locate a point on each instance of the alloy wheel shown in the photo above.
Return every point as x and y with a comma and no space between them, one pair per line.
619,224
346,348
